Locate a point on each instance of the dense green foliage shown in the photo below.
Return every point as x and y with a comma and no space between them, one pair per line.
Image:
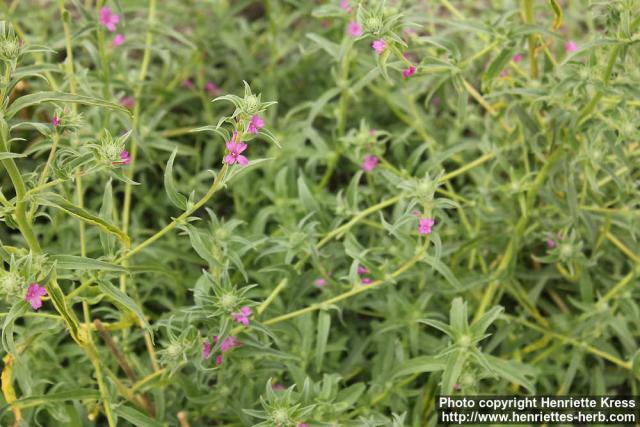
441,197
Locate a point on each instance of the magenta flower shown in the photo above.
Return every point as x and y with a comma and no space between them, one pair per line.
117,40
318,283
570,46
366,281
125,159
108,19
277,386
127,102
362,270
212,89
35,292
188,83
370,163
517,57
255,124
219,360
344,4
379,46
425,225
206,350
55,121
243,315
234,152
409,71
303,425
354,29
229,343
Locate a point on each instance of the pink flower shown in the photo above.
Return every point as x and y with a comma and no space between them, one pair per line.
234,152
212,89
344,4
117,40
362,270
219,360
124,156
425,225
243,315
255,124
35,292
318,283
504,73
517,57
370,163
188,83
354,29
303,425
409,71
228,343
379,46
366,281
127,102
570,46
55,121
206,350
277,386
108,19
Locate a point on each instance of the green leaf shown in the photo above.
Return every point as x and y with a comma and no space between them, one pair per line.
5,155
452,370
420,364
123,299
59,202
513,371
40,97
498,63
7,327
175,197
60,303
73,262
135,417
324,326
59,396
441,268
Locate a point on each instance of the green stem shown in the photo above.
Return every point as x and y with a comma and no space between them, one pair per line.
528,18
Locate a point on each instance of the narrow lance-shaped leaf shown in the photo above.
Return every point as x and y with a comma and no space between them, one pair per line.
40,97
175,197
59,202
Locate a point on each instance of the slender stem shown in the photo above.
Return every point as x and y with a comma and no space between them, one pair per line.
212,190
528,17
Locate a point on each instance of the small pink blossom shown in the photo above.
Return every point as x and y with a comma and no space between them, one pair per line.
234,152
366,281
55,121
206,350
435,101
188,83
108,19
212,89
128,102
517,57
219,360
354,29
318,283
303,425
243,315
370,163
228,343
379,46
570,46
35,292
504,73
362,270
117,40
344,4
125,158
277,386
425,225
409,71
255,124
